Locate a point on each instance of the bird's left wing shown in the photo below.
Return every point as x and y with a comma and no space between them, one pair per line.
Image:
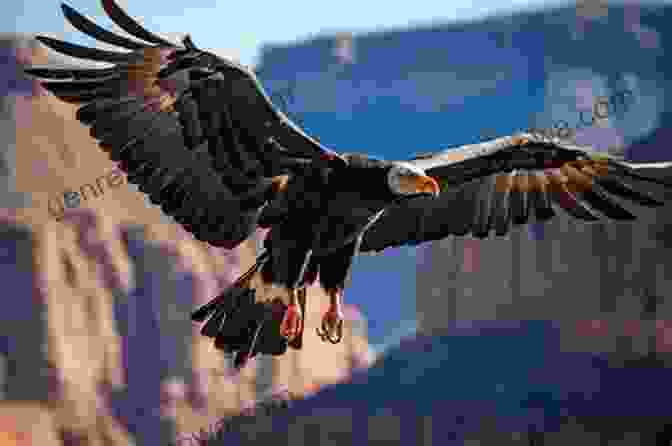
508,181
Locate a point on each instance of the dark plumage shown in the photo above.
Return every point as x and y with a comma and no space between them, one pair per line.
198,135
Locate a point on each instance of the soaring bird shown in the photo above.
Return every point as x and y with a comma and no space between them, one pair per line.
198,134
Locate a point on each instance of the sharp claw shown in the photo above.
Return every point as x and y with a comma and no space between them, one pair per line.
332,328
338,335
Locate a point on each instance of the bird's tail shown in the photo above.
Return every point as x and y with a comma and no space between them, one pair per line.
239,324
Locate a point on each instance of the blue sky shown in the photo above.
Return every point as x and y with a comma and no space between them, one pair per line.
237,29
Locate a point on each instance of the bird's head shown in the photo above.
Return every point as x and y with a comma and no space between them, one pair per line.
406,180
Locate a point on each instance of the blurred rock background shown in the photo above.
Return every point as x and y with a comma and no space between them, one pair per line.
97,347
120,362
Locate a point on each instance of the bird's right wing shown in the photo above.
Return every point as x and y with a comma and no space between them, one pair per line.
196,132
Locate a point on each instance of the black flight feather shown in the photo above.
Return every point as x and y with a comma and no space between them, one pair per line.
83,52
125,22
573,205
72,74
601,202
502,213
214,324
541,204
481,226
623,189
91,29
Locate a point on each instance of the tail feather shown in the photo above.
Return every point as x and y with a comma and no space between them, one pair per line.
226,302
234,298
232,293
203,312
241,325
214,324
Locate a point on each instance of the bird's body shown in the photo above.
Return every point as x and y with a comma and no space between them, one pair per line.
198,134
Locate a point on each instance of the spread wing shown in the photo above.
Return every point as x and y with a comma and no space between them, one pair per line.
194,131
494,185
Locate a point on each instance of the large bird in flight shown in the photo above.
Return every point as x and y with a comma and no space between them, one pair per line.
198,134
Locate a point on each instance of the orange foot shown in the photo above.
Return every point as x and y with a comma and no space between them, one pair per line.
292,323
332,325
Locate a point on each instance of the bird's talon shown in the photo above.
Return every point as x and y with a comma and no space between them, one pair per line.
292,323
338,335
332,327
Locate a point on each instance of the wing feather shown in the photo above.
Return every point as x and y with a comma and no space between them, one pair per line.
82,52
481,225
601,202
502,213
621,187
539,198
93,30
196,132
519,199
531,178
462,217
125,22
571,204
72,74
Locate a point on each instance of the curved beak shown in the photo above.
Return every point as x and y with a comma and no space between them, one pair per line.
427,185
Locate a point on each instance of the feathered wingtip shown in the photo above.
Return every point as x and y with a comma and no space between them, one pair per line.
633,170
121,19
125,22
91,29
619,187
82,52
188,43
